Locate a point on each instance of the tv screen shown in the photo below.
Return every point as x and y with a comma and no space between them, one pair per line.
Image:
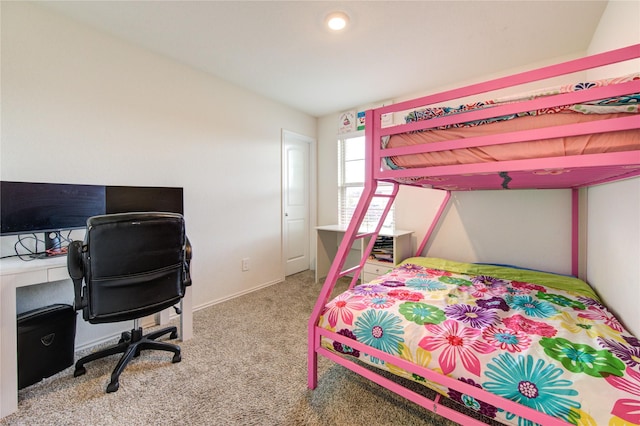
123,199
28,207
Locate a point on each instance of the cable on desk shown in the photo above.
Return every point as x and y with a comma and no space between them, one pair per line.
28,254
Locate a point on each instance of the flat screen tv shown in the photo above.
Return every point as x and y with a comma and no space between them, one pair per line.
29,207
124,199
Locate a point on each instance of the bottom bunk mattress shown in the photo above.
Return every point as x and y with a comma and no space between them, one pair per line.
543,340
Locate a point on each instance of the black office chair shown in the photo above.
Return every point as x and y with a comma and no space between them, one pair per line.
130,265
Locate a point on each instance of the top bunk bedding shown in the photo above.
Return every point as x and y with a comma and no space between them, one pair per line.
588,132
602,109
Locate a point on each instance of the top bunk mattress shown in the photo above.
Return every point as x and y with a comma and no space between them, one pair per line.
626,140
488,132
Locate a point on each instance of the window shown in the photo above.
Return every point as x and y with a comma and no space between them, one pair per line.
351,183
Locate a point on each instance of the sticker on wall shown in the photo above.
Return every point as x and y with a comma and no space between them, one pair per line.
386,120
347,122
361,120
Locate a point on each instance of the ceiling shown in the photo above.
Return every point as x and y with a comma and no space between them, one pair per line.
282,51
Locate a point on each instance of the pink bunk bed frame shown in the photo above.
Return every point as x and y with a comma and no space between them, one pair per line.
587,170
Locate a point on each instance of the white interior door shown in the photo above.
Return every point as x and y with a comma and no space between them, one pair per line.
296,189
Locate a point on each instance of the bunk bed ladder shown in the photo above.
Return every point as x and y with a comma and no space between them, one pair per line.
336,272
354,234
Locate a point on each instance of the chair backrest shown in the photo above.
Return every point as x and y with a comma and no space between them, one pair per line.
133,265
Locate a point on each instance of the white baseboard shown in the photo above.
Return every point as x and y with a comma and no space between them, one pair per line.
233,296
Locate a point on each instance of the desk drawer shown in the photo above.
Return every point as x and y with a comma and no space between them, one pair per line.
377,268
57,274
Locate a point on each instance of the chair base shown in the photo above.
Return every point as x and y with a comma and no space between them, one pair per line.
130,345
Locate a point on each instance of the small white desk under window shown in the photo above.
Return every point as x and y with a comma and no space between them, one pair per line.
330,236
17,273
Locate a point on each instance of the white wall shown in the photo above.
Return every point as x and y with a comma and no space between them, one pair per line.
527,228
613,210
327,170
80,106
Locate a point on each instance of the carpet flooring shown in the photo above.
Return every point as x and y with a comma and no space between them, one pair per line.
246,365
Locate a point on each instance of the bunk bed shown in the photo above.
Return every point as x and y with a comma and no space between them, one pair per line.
511,345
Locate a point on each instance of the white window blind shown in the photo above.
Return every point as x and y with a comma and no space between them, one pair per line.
351,183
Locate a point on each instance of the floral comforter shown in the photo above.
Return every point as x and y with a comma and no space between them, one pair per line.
624,103
540,339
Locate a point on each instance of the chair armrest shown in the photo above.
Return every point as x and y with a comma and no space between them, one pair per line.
187,263
75,266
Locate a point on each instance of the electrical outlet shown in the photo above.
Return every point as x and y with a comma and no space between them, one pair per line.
245,264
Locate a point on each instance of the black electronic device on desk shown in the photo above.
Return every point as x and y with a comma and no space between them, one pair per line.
28,208
34,207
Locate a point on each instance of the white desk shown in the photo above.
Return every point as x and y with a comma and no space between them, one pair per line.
329,238
17,273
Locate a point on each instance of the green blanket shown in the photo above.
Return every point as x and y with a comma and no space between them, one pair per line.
559,282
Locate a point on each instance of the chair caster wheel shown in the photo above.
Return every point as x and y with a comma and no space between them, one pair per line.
176,358
174,335
112,387
79,371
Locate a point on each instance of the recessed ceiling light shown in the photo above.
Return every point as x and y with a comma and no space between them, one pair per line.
337,21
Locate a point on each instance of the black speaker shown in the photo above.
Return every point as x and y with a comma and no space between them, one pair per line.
53,244
46,341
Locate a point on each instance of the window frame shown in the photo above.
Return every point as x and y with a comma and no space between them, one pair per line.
347,204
